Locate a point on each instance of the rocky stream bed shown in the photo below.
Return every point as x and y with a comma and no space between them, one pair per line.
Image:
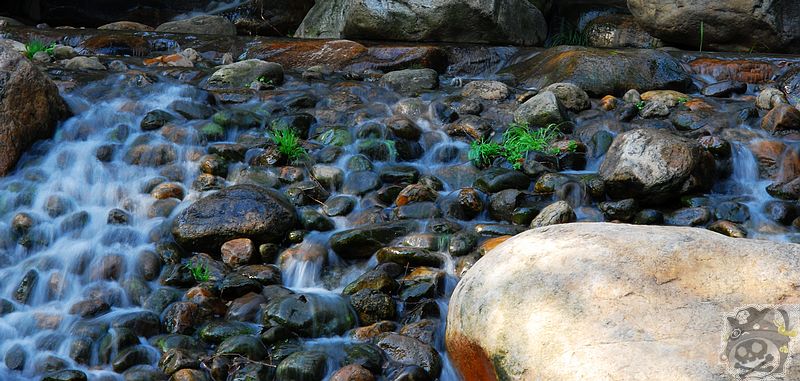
151,228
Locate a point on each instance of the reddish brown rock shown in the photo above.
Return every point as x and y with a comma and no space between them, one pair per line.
237,252
781,120
30,106
352,372
346,55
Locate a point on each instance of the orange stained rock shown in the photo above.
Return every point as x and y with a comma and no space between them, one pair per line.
737,70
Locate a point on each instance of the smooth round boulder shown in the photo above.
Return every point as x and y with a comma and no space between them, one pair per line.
240,211
600,301
241,74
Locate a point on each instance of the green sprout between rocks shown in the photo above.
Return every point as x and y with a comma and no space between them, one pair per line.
702,35
518,140
640,105
200,272
37,46
265,80
682,100
288,142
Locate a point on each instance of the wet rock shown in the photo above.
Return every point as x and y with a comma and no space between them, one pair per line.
409,351
373,306
310,315
364,241
415,193
619,31
128,357
408,256
162,208
252,371
144,373
632,69
470,126
361,182
155,119
417,211
496,179
151,155
144,323
329,176
15,357
89,308
781,211
338,206
511,22
728,228
84,63
410,373
176,359
688,217
569,95
304,365
654,166
181,318
29,109
462,243
770,97
787,191
724,28
488,90
732,211
558,212
541,110
724,89
398,174
190,375
411,82
495,230
352,372
237,252
66,375
654,109
25,287
243,345
623,210
241,74
781,119
205,24
216,332
240,211
375,279
235,285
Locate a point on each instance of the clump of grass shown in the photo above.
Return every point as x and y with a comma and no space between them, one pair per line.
36,46
200,272
288,143
567,34
640,105
482,153
518,140
682,100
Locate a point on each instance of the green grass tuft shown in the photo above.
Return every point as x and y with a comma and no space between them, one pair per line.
518,140
288,143
482,153
36,46
640,105
200,272
567,34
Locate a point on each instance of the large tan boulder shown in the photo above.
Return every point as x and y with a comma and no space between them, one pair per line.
600,301
30,106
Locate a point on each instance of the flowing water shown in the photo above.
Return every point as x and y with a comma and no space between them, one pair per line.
72,253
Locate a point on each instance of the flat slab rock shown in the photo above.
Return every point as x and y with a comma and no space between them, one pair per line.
600,301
